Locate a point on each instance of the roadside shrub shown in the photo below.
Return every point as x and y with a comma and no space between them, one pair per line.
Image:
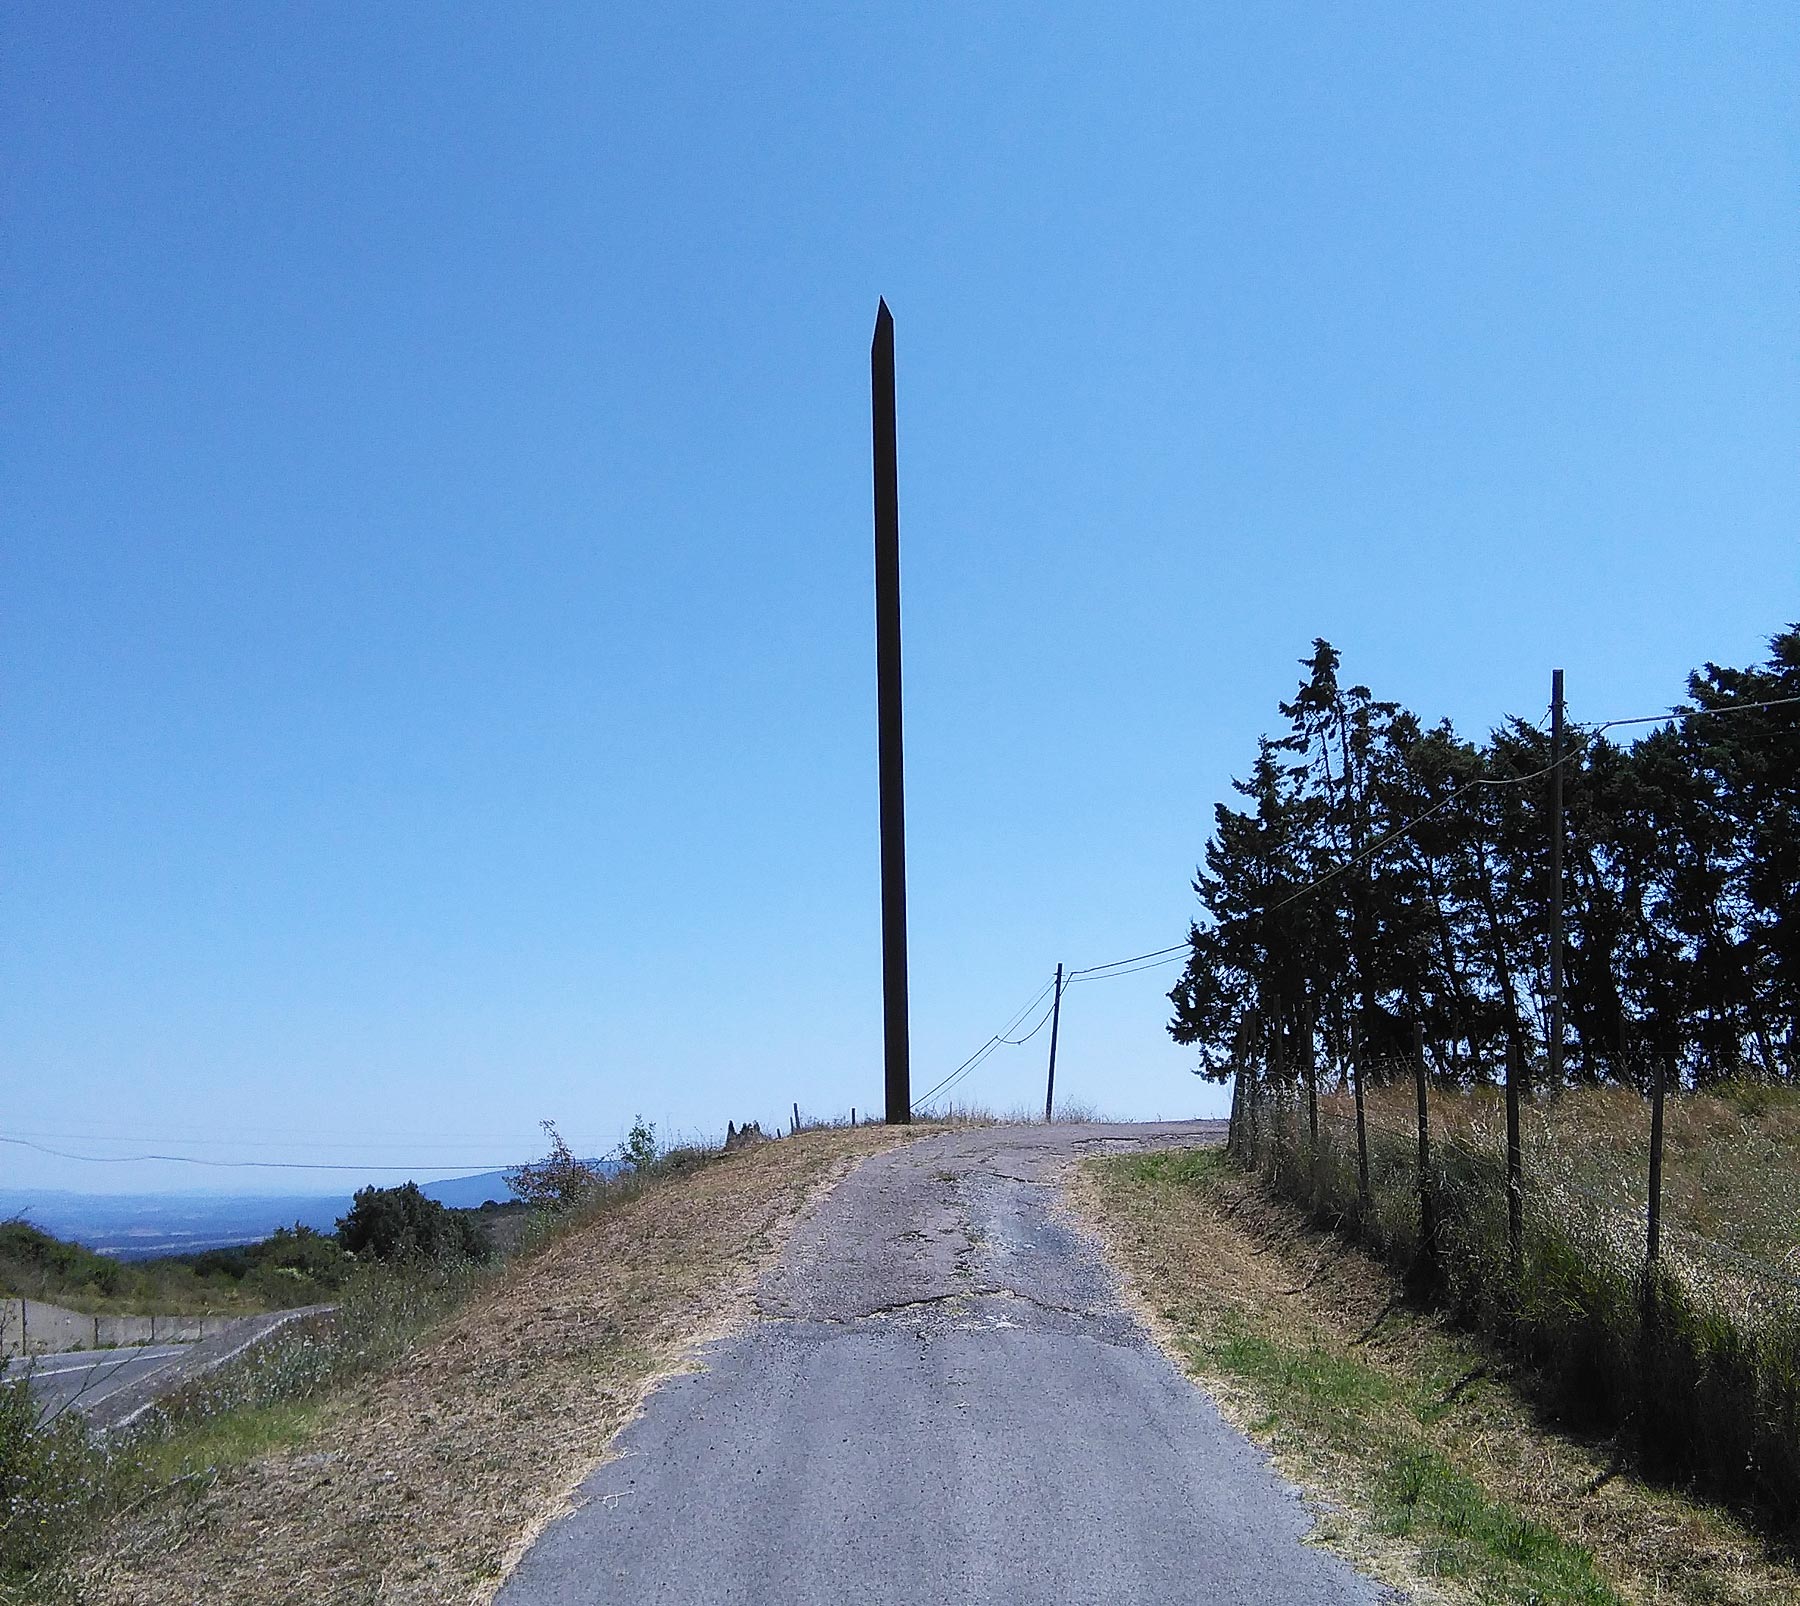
57,1484
39,1266
50,1477
559,1181
639,1147
400,1225
293,1266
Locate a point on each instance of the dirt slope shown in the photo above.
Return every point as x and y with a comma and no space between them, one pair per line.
421,1484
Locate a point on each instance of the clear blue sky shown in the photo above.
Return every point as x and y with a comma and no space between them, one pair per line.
438,686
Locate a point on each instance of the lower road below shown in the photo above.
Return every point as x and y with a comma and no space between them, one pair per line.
113,1387
83,1378
942,1399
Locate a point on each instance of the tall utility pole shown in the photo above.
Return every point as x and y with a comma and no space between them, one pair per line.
1556,878
890,747
1055,1026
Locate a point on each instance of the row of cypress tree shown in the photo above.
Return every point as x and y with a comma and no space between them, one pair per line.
1383,871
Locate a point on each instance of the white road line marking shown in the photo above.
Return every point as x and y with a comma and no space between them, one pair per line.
93,1363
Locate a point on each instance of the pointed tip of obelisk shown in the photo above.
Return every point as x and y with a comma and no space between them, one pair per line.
882,315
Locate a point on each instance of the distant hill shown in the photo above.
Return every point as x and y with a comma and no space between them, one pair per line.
137,1226
469,1193
140,1226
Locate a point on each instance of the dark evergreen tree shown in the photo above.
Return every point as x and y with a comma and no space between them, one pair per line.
1386,872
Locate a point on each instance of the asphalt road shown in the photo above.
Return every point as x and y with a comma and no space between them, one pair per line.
942,1401
85,1377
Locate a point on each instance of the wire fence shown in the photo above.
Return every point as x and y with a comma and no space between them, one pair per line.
1551,1233
1276,1132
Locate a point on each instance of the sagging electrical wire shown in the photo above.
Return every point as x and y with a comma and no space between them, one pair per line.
998,1039
253,1165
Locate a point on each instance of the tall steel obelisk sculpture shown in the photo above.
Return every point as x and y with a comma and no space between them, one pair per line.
890,748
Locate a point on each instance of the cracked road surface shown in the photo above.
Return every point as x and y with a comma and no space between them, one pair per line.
942,1399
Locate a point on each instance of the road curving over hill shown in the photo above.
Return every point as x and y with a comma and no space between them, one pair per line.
941,1398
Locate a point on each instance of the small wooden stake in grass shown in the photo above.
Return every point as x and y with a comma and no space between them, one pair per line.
1427,1201
1653,1238
796,1117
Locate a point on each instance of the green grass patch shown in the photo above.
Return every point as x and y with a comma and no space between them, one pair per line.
1194,1168
227,1440
1421,1495
1414,1490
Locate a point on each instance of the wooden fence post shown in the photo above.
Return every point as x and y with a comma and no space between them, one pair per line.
1362,1126
1653,1234
1234,1129
1312,1103
1515,1164
1427,1197
1252,1114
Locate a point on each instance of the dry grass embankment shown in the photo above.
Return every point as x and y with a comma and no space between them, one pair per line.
1427,1464
419,1483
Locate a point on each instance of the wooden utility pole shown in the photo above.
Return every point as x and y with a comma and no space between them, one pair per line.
890,747
1556,880
1055,1026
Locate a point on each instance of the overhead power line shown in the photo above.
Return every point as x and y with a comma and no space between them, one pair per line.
254,1165
1169,958
999,1038
1111,964
1043,1020
194,1139
1696,713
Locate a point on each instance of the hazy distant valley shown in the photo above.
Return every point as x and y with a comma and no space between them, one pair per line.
140,1226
